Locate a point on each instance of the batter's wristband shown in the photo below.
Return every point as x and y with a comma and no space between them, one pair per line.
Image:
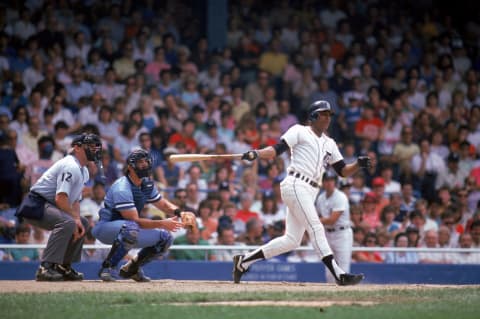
177,212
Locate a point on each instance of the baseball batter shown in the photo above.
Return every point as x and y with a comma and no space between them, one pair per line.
334,211
121,226
311,152
53,204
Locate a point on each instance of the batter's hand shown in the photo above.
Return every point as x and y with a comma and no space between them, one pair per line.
364,162
250,155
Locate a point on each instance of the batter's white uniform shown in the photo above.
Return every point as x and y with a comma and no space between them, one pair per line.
339,235
310,155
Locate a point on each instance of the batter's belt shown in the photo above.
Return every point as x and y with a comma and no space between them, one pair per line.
304,178
334,229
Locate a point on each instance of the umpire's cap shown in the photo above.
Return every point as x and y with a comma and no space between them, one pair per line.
319,106
86,138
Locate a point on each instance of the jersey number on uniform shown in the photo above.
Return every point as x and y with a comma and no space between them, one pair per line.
66,177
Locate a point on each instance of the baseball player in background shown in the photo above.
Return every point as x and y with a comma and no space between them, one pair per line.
53,204
121,226
311,152
333,209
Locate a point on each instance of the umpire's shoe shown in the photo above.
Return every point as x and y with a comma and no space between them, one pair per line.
69,274
132,271
349,279
48,272
238,270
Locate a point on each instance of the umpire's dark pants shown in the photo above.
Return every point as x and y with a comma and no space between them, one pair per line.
61,249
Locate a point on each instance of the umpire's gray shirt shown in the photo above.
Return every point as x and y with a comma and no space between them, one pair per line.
65,176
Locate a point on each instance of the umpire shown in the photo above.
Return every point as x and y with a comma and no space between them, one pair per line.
53,204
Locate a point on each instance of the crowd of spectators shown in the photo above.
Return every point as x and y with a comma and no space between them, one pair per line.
404,85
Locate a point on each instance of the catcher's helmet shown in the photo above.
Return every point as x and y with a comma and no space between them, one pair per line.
137,155
318,106
93,143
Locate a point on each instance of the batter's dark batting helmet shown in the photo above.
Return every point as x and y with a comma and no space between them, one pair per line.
317,107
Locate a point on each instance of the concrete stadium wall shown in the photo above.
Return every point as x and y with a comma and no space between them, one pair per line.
270,271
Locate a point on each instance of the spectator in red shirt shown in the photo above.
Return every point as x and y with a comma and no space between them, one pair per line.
370,125
185,136
244,213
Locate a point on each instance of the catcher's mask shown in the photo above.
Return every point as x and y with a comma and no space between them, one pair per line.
317,107
91,144
137,155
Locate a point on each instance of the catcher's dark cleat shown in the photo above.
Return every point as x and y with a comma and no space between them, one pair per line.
69,274
238,270
349,279
130,271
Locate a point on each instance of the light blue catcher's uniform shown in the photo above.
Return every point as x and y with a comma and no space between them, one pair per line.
124,195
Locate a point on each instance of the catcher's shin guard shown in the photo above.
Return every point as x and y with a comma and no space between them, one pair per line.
149,253
126,240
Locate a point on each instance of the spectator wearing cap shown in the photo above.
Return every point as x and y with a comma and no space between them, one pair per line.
168,172
453,177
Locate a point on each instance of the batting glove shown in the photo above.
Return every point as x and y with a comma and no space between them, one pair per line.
364,162
250,155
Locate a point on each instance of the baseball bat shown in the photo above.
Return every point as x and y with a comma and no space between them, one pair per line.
202,157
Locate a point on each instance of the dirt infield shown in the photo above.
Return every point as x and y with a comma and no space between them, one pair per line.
181,286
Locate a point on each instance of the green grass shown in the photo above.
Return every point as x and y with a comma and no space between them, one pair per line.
391,303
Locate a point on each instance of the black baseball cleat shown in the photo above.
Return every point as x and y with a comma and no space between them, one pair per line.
349,279
68,273
131,271
238,270
48,272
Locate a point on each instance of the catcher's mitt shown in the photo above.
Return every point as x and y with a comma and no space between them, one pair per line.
189,220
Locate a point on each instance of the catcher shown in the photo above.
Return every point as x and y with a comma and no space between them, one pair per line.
121,226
